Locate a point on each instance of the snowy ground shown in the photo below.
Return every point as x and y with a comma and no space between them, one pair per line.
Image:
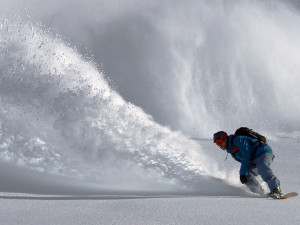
135,208
28,209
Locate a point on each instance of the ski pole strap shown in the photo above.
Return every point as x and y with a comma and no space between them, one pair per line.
226,157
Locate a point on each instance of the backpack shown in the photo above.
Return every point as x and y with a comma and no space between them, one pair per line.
245,131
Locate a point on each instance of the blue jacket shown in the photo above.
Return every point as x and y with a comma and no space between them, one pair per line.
244,152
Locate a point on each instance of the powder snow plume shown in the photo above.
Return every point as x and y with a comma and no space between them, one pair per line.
177,69
59,116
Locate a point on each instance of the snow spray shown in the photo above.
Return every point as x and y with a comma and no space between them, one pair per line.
177,70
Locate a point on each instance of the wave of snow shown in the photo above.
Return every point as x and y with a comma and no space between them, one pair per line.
196,67
59,116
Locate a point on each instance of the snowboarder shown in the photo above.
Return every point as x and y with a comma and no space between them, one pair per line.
255,159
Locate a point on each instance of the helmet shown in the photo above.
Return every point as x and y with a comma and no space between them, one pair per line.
220,134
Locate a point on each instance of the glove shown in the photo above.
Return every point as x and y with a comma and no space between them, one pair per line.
243,179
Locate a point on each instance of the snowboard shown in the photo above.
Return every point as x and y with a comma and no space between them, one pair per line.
288,195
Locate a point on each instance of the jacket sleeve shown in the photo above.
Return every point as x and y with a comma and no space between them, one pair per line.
244,146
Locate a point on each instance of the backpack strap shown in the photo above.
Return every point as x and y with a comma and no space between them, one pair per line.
234,146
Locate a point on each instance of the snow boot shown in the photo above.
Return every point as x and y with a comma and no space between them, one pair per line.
276,193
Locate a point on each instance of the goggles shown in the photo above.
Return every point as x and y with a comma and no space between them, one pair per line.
221,140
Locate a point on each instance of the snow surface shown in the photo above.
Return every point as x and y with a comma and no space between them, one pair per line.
27,209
